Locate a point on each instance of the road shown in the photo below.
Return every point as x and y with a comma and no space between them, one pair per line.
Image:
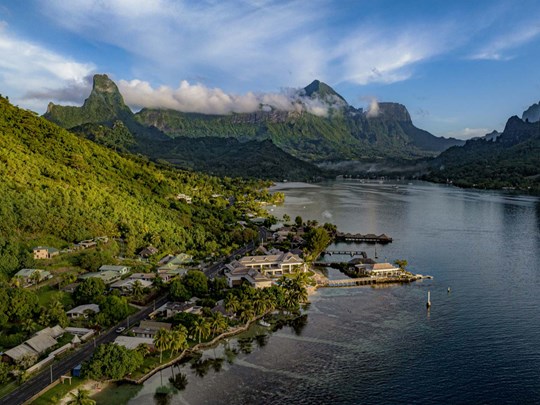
64,366
214,270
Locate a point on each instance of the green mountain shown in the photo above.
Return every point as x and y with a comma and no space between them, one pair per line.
511,160
346,133
104,118
58,187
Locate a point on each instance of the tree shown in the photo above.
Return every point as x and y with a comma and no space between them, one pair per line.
218,324
402,264
22,304
113,309
232,304
35,277
89,290
298,221
196,282
137,290
81,397
111,361
317,239
286,218
178,291
4,372
200,329
162,341
178,339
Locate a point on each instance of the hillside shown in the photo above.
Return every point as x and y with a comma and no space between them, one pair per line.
58,188
104,118
512,160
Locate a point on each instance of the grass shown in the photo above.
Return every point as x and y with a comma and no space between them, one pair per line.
57,392
47,293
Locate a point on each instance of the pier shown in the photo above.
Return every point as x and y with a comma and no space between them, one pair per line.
346,252
352,282
367,238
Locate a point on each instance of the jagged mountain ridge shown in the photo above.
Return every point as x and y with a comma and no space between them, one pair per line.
511,160
105,119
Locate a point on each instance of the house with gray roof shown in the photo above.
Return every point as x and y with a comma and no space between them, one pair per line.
120,270
83,311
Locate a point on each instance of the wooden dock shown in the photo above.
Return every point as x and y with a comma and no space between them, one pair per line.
346,252
367,238
352,282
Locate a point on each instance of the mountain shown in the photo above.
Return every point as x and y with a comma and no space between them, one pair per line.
58,188
104,118
532,114
346,133
512,160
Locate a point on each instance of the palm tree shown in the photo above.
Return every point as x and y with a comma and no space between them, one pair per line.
247,313
178,341
162,341
232,304
80,398
201,329
143,349
35,277
218,324
137,290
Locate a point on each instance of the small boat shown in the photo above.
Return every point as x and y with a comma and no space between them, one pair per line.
265,324
428,303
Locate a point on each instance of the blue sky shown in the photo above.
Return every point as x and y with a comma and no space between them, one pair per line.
462,68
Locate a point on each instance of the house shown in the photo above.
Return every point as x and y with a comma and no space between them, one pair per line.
131,342
83,311
28,275
148,251
184,197
148,329
103,239
273,265
43,252
170,309
236,273
120,270
82,333
32,348
379,270
108,277
177,260
125,286
143,276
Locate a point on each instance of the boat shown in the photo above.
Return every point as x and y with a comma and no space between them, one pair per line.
265,324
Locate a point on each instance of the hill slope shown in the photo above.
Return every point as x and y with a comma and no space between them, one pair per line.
57,187
512,160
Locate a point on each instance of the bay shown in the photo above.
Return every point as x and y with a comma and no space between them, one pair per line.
480,343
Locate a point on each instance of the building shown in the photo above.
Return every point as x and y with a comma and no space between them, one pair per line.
86,244
108,277
379,270
131,342
148,251
120,270
43,252
143,276
273,265
170,309
236,274
83,311
148,329
32,348
27,275
126,286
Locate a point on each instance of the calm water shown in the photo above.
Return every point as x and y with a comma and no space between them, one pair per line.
478,344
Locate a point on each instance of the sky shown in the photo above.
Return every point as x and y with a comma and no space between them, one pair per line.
461,68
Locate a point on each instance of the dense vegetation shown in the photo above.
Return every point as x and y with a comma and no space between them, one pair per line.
58,188
511,161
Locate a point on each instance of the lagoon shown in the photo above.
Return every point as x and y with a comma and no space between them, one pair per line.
480,343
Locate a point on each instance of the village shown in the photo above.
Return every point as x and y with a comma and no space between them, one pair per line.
185,302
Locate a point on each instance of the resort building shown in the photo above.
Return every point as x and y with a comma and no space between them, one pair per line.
273,265
379,270
43,252
237,273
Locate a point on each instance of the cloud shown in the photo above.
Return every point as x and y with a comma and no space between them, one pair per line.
373,109
28,71
201,99
73,92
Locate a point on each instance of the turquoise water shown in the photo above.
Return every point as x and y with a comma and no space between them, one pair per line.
480,343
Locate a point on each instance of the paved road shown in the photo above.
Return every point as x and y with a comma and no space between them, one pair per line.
214,270
63,367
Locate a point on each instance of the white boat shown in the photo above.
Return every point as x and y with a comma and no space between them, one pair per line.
265,324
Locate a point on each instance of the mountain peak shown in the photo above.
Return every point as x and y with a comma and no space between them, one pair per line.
321,90
532,114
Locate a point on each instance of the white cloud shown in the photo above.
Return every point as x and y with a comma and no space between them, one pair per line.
201,99
26,67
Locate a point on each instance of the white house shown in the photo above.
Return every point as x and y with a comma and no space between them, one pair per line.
83,311
273,265
120,270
